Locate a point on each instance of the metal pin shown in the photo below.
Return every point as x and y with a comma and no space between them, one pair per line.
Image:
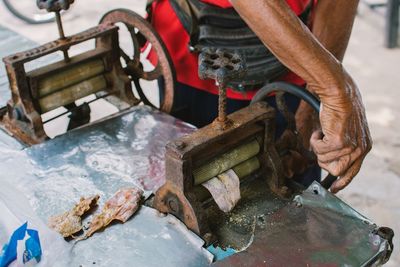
61,34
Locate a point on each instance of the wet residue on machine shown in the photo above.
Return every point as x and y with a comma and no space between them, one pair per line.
124,150
128,149
315,228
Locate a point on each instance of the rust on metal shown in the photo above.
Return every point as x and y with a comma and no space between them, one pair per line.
179,193
40,90
54,5
142,35
24,109
222,66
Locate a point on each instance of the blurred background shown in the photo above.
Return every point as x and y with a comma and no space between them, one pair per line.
375,192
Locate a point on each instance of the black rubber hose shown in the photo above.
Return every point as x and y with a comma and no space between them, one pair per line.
305,95
295,90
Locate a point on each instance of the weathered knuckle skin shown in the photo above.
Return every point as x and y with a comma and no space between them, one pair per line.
315,148
346,161
347,181
335,188
342,183
338,141
323,159
334,171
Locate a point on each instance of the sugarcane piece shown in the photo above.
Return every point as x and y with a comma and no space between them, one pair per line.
72,93
242,170
119,207
70,222
70,76
226,161
225,190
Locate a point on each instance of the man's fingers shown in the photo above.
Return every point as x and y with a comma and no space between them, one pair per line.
334,155
316,135
341,165
345,179
320,145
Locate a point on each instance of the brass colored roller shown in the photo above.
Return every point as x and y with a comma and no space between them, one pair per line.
225,162
72,93
247,167
70,76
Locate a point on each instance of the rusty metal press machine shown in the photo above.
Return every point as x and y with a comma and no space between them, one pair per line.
264,217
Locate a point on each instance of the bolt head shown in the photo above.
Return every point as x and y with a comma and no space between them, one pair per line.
173,205
180,144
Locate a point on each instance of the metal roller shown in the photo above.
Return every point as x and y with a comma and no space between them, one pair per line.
70,76
247,167
225,162
72,93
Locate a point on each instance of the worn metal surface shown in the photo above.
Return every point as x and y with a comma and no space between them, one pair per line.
10,43
148,239
315,229
128,149
23,117
24,110
186,154
100,159
221,66
69,169
143,36
54,6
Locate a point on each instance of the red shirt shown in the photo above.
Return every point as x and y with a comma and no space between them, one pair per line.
176,39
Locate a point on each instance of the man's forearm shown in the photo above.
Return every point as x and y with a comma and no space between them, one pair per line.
293,44
344,139
332,24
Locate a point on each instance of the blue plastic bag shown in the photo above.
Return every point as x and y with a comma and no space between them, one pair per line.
32,246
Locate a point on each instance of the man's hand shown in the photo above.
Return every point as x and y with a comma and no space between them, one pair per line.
317,59
345,139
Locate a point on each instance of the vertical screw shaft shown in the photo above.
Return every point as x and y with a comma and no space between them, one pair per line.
61,33
222,103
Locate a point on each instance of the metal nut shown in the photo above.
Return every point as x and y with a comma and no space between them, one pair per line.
173,205
180,145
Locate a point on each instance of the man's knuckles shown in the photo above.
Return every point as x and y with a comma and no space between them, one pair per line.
328,144
337,167
334,155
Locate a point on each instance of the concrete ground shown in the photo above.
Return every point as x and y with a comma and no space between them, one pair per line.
375,191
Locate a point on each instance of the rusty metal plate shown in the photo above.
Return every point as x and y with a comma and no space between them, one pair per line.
314,229
10,43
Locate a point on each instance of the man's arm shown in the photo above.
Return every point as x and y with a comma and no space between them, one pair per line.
332,24
345,140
